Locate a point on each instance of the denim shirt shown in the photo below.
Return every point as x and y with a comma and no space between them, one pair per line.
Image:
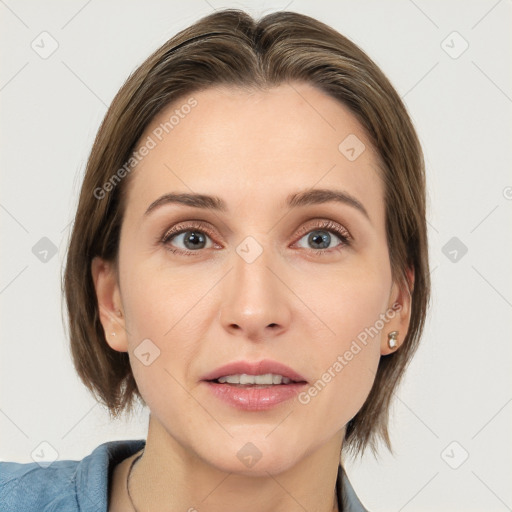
83,486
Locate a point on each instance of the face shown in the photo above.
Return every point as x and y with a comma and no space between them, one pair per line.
306,284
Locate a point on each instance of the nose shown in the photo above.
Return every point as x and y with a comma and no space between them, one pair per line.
254,300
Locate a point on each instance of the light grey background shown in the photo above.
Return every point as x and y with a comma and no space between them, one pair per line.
458,388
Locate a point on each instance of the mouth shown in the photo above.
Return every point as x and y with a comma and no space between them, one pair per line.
254,386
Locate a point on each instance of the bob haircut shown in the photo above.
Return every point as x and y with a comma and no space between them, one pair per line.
230,48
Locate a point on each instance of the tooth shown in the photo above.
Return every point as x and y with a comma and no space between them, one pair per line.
233,379
276,379
246,379
286,380
267,378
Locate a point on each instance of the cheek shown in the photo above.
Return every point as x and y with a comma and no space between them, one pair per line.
157,298
162,337
348,299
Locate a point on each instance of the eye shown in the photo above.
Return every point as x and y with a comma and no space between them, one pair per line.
320,239
192,238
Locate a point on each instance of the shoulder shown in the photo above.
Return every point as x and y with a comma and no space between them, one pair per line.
69,485
32,487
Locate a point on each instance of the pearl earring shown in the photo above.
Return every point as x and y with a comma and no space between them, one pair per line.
392,340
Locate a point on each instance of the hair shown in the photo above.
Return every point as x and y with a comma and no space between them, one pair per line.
230,48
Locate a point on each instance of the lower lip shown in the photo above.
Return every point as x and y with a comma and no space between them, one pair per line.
252,398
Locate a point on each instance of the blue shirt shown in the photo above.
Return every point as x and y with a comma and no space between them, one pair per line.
83,486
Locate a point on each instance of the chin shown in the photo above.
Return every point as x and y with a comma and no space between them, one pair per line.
253,455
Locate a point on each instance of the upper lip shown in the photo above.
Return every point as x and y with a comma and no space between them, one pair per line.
254,368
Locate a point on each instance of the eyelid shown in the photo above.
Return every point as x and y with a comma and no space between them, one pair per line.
327,225
180,227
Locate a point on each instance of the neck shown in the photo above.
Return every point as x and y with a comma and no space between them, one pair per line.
170,476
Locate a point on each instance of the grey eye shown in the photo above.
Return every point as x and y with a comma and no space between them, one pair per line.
192,240
319,239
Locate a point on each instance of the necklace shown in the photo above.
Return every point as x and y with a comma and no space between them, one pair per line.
128,479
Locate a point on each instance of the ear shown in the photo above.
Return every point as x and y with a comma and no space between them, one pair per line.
112,318
399,302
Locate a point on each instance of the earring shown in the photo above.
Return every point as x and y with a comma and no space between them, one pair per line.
392,340
113,334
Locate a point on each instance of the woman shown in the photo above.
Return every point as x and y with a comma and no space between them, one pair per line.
249,259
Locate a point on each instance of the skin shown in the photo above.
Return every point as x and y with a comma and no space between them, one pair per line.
252,149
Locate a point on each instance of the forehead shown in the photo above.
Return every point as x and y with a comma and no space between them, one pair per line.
255,147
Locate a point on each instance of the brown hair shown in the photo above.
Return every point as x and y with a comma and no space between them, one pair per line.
231,48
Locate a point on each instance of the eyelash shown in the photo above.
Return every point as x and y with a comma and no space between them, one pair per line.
201,227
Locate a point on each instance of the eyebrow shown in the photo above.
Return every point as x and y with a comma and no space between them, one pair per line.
295,200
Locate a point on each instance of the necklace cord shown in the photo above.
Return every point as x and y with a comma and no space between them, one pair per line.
128,479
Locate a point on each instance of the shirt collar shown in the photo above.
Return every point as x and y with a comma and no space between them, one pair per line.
346,494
